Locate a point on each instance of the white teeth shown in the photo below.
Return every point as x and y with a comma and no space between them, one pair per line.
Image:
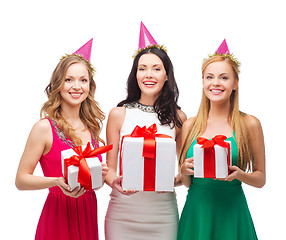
216,91
75,94
149,83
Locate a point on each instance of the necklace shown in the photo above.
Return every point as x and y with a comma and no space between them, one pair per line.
142,107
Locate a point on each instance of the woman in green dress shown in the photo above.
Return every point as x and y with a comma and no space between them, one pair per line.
216,209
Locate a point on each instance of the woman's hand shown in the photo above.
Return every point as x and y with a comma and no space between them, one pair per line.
104,170
118,186
178,180
236,173
188,166
77,192
186,170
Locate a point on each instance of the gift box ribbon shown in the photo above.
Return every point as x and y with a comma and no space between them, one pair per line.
149,153
84,176
209,153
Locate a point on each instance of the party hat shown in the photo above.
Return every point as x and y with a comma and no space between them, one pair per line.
223,48
147,41
145,38
84,53
224,51
85,50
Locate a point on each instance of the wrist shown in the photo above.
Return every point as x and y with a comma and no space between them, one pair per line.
242,175
109,181
177,180
57,182
114,183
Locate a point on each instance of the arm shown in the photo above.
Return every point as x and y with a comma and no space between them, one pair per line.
114,125
178,139
39,142
257,177
186,169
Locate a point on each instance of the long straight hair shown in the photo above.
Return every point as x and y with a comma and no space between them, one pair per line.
89,113
237,120
166,104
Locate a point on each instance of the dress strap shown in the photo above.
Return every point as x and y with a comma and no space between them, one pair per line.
61,135
94,142
234,135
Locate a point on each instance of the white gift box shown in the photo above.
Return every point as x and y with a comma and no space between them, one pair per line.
72,171
221,165
133,164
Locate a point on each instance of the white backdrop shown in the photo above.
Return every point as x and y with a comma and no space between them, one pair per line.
35,34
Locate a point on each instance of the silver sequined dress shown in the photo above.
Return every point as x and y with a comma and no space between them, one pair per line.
143,215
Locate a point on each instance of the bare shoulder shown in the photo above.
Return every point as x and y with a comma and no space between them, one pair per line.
186,127
187,124
116,117
117,112
182,115
252,123
41,136
42,127
254,128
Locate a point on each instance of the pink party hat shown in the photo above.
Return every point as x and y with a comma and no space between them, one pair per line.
224,51
223,48
145,38
85,50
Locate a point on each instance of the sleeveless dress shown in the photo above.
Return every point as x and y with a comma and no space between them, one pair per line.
216,209
143,215
64,217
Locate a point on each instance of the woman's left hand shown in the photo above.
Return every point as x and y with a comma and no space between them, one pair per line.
236,173
104,170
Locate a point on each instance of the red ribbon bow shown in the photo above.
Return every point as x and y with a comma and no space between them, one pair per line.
149,134
209,153
149,153
218,139
84,176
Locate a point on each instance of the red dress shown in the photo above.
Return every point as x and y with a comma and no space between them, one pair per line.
63,217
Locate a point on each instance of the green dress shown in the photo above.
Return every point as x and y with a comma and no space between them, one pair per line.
216,209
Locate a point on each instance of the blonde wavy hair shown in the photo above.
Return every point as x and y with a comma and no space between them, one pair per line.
237,120
90,113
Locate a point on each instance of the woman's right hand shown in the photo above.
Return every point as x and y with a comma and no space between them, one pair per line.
77,192
187,167
116,183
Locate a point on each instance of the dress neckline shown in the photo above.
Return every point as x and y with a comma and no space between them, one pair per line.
140,106
228,138
212,138
64,138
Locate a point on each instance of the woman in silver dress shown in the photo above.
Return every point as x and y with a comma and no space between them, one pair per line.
152,98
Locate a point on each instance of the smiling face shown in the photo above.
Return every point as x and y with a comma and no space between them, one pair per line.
219,81
151,75
76,86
